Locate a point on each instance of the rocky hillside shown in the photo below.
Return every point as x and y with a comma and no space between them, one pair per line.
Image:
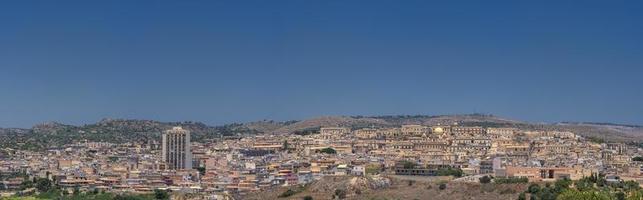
391,188
341,121
606,131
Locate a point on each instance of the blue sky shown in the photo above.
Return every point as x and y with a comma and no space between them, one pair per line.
217,62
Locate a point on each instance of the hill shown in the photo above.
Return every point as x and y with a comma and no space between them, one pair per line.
53,134
341,121
603,131
392,188
356,122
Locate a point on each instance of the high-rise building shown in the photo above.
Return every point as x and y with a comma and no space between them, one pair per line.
176,148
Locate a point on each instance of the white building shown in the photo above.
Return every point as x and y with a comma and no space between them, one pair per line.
176,148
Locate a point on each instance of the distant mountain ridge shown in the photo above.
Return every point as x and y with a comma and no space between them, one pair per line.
53,134
603,124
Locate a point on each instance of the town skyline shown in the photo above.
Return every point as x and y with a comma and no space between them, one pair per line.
408,157
321,100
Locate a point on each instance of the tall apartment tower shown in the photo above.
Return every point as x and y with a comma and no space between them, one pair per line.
176,149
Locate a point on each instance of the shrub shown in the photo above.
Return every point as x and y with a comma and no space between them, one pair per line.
562,184
443,186
339,193
328,150
408,164
161,194
373,169
533,188
511,180
43,184
485,179
578,195
620,196
287,193
292,191
449,171
631,185
508,191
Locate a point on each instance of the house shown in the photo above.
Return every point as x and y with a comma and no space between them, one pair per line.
358,170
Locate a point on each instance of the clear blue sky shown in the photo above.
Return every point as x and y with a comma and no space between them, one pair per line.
77,62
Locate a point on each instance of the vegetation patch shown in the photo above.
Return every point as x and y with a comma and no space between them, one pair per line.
292,191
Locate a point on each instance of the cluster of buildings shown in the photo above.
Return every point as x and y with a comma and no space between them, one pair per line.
237,166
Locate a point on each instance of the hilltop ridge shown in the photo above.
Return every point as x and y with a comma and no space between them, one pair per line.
52,134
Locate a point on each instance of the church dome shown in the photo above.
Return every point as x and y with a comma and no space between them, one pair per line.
438,130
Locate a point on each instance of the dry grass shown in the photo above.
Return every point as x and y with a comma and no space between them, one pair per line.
401,189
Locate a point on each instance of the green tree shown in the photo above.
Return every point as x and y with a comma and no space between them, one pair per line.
533,188
546,194
328,150
620,195
26,184
201,170
43,184
308,198
561,185
631,185
450,171
161,194
583,195
584,184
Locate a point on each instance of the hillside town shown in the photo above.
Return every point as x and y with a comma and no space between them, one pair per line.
231,167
